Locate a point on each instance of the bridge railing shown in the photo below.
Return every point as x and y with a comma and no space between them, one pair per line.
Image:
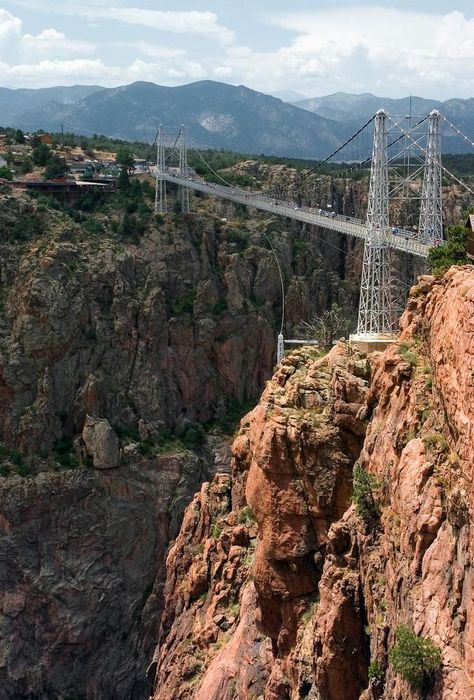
399,239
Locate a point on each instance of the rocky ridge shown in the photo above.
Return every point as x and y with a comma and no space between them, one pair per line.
332,588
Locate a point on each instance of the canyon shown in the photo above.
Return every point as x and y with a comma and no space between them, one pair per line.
125,361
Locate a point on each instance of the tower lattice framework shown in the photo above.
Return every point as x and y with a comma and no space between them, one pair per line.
161,205
376,308
431,212
183,170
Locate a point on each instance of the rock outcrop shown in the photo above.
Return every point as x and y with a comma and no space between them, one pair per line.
293,459
101,443
333,582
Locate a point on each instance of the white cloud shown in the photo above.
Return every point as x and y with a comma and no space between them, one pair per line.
377,46
159,72
205,24
9,25
155,51
352,48
50,41
54,72
200,23
48,73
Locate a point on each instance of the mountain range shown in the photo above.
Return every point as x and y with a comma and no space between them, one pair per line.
218,115
354,110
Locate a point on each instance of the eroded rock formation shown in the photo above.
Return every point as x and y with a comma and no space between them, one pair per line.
331,588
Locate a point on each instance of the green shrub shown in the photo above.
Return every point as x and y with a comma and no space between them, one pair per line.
407,354
17,458
221,306
5,173
410,357
435,441
194,436
236,237
216,531
147,447
5,469
375,670
183,305
364,485
453,252
23,470
414,658
246,517
64,454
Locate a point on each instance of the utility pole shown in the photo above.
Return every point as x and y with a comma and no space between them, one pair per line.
376,315
183,171
430,227
160,183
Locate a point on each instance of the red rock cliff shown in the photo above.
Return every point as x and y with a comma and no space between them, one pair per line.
301,603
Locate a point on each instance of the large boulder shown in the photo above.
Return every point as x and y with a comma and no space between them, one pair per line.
101,443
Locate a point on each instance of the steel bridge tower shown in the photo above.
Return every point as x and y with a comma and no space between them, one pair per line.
160,185
376,308
183,170
431,213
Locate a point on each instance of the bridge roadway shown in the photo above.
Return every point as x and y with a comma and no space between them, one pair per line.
403,240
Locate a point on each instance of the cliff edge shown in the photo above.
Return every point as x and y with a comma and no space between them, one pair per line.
347,518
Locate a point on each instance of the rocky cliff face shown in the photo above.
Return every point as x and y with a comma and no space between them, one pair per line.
113,349
161,330
331,585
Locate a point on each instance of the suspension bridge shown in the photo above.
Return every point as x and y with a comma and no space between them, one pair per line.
391,141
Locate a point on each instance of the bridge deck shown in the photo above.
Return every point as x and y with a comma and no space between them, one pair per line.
403,240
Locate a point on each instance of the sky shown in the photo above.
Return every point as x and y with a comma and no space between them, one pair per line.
314,47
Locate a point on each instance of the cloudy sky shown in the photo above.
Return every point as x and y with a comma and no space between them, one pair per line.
315,47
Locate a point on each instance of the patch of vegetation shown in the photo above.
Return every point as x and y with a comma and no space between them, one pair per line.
435,441
221,306
246,517
234,609
416,659
13,460
183,305
5,173
63,452
309,612
453,252
5,469
215,531
407,354
56,167
238,238
331,325
364,485
375,670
